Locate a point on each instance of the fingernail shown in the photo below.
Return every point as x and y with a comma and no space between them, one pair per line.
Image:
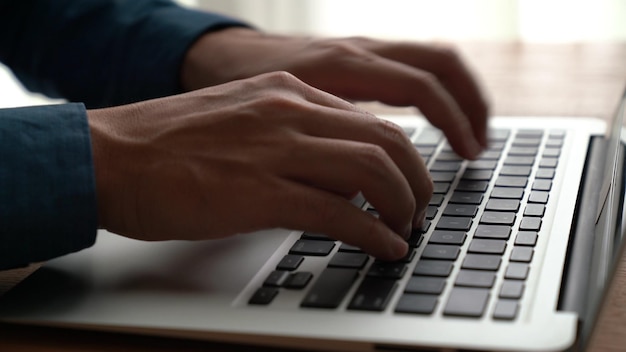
397,247
407,232
474,148
418,220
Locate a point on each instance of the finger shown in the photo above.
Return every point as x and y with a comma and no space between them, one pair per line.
347,167
401,84
451,71
305,208
366,128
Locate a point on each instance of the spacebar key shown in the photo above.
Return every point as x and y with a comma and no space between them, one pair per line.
330,288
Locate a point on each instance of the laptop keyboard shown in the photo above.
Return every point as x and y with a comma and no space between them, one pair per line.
474,252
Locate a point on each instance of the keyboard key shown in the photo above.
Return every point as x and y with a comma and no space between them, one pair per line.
348,260
425,284
554,143
315,236
387,270
472,186
298,280
349,248
440,252
497,218
482,165
481,262
410,131
522,254
491,155
512,289
416,238
493,231
526,238
498,134
425,152
534,210
438,176
542,185
475,278
290,262
314,248
263,296
551,152
507,192
417,304
433,268
466,210
276,278
330,288
510,170
496,146
466,197
502,204
441,187
511,181
519,160
487,246
447,237
477,175
448,155
454,223
523,151
436,200
467,302
505,310
373,294
545,173
526,142
516,271
428,137
538,197
529,133
547,162
431,212
530,224
451,166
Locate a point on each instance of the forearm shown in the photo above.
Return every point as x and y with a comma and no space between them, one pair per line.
47,187
101,52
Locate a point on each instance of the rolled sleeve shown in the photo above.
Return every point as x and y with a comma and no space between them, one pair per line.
47,184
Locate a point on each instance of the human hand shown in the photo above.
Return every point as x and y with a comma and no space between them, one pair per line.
431,78
264,152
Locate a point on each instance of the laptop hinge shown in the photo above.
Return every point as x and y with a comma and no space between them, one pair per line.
578,262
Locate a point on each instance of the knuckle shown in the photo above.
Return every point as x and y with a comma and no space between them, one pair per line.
375,158
428,80
394,134
449,56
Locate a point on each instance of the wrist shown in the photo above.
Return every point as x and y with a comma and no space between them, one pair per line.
213,58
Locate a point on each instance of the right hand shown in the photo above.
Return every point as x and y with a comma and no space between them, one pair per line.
268,151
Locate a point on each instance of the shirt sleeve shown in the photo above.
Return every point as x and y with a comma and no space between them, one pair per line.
101,52
47,198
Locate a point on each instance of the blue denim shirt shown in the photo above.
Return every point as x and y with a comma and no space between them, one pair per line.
95,53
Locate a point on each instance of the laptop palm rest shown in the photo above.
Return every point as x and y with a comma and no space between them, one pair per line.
215,271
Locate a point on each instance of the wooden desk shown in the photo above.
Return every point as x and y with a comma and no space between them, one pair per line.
522,79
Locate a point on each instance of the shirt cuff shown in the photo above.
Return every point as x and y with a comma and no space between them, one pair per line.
47,183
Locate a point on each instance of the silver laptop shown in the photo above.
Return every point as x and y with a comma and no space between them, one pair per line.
516,254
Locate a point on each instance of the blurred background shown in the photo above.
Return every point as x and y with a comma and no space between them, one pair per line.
534,21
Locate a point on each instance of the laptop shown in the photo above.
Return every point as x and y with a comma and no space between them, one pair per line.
516,254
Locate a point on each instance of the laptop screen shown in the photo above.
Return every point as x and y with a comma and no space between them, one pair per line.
609,248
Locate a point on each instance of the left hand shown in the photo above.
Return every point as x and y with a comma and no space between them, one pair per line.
432,78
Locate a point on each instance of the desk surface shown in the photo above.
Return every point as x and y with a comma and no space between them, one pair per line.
522,79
